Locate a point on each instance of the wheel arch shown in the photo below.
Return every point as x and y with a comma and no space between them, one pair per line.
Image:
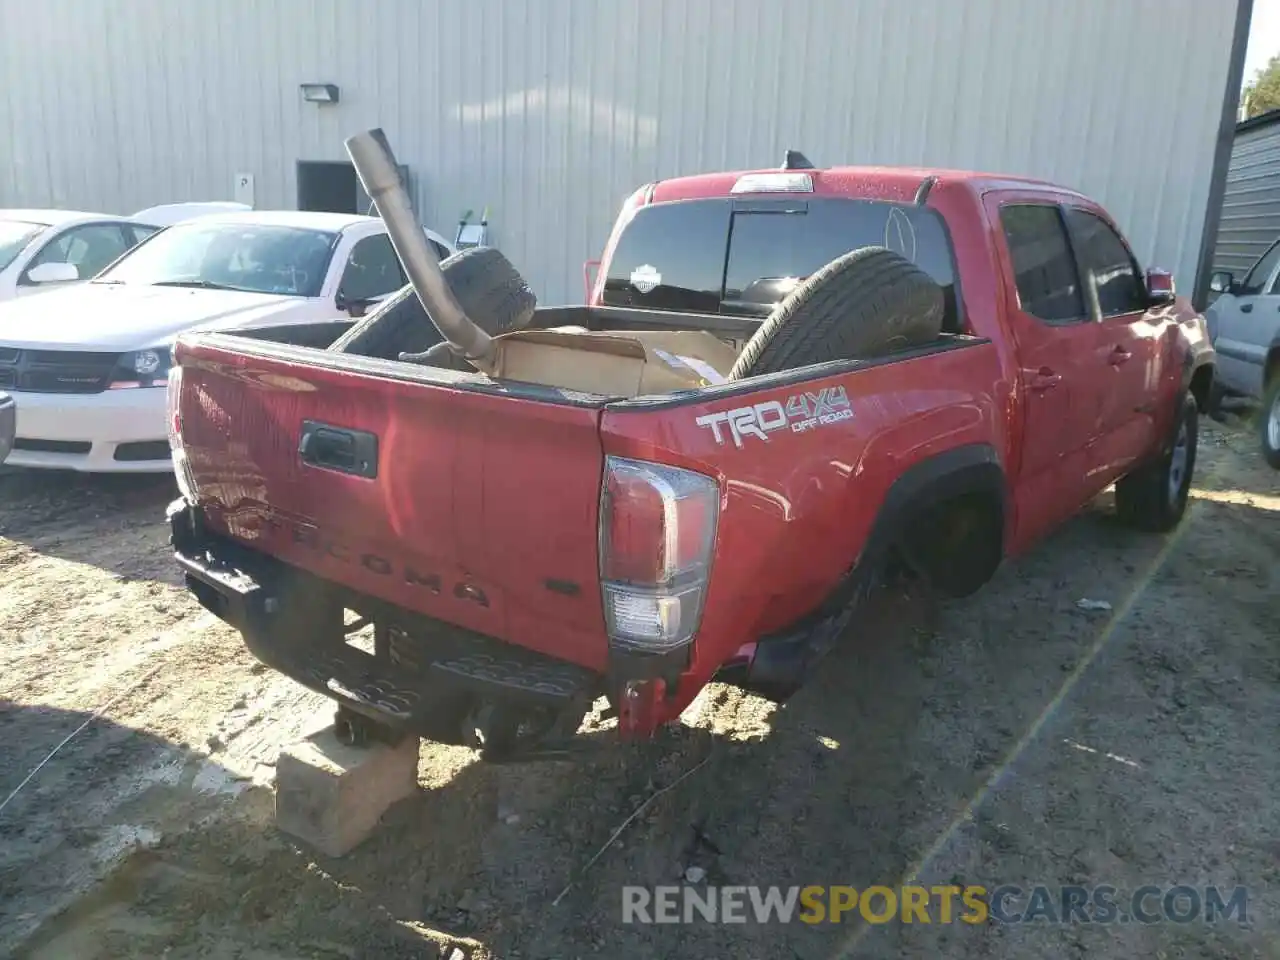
968,473
1271,366
1199,383
964,470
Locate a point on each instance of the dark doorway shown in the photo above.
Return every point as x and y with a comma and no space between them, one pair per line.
332,187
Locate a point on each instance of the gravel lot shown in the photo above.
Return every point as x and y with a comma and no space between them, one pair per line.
1010,738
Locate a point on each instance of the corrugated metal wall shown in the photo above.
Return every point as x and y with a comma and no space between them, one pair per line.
550,111
1251,203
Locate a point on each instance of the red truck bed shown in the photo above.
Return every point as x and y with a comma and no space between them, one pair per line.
483,509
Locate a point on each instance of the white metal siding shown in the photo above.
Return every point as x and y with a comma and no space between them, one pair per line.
550,111
1251,203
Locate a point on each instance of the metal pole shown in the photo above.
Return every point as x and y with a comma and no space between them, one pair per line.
376,166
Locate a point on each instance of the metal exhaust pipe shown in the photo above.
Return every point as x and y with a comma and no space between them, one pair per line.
376,166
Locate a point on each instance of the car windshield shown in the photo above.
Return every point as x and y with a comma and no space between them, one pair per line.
14,237
253,257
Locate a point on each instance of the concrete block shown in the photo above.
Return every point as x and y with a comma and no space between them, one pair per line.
332,796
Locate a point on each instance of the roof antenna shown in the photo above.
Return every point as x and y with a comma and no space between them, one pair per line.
795,160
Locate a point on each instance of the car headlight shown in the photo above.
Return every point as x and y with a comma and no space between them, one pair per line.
143,368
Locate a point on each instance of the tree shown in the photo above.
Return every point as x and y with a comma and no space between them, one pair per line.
1262,93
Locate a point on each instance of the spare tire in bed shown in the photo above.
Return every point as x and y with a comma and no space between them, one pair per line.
489,289
864,304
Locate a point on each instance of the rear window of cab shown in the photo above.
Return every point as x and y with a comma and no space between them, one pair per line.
741,257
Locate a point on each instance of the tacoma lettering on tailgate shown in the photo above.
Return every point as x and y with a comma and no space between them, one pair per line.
800,412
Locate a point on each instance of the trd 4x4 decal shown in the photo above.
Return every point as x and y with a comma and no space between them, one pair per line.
800,412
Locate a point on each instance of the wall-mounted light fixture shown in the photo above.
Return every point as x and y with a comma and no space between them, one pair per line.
320,92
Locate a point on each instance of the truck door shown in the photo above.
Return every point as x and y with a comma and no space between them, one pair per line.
1247,320
1128,362
1056,341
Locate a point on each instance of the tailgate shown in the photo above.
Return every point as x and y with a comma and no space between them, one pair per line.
477,508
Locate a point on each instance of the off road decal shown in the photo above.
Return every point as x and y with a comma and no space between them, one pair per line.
646,278
800,413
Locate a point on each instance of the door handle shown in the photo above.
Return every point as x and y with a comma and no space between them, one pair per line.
1118,356
1045,379
1246,308
335,448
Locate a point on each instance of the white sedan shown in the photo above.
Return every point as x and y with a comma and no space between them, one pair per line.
86,365
41,250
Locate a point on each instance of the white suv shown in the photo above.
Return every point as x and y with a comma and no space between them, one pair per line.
1245,325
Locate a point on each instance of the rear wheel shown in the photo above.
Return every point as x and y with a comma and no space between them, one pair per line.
488,288
1154,497
956,545
1269,421
864,304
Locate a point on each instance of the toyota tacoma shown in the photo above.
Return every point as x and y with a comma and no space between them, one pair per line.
784,381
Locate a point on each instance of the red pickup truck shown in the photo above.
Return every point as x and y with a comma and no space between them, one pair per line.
785,381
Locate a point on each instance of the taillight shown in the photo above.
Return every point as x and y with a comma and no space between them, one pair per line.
657,535
173,408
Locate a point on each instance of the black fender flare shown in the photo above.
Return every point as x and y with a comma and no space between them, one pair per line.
1193,361
782,659
1272,360
971,468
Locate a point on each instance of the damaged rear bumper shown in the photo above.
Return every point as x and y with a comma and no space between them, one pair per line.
431,680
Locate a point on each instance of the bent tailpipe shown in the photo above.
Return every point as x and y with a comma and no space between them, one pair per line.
376,166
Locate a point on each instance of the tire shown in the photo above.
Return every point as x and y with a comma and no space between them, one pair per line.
864,304
489,289
957,545
1269,422
1154,497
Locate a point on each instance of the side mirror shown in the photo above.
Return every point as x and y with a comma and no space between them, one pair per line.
1160,285
354,307
1221,281
53,273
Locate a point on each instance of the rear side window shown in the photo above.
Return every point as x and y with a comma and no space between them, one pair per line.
743,256
1044,268
141,231
1110,266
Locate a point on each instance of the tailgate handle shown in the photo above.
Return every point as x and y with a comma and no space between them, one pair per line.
337,448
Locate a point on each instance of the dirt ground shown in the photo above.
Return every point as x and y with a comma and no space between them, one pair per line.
1011,738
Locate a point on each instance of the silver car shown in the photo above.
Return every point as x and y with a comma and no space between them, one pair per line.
1244,323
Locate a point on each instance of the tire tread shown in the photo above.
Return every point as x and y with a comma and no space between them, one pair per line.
863,304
